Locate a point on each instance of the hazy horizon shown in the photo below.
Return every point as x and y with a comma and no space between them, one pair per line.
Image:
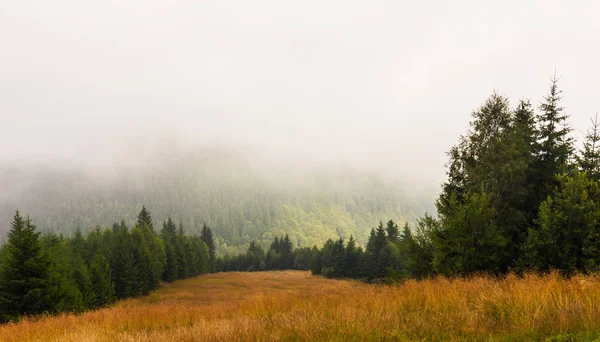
377,86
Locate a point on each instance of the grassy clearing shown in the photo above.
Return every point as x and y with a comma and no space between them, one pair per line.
290,305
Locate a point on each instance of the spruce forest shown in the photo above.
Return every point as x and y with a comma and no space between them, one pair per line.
519,200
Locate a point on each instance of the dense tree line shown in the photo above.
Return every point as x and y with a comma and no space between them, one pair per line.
518,197
280,256
52,273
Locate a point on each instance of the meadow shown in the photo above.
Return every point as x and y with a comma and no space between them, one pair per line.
293,305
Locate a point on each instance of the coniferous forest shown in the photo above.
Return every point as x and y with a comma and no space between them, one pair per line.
51,273
519,197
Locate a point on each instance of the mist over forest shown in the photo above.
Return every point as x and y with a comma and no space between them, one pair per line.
262,170
241,198
261,118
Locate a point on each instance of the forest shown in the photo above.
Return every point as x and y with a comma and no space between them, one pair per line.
519,198
240,201
50,273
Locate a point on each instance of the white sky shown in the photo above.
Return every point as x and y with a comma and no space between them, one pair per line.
374,84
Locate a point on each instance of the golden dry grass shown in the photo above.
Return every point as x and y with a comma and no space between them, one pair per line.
290,305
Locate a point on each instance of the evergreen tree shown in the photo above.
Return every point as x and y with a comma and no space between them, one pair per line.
272,260
207,237
555,145
469,240
392,231
81,276
182,266
494,161
169,237
78,244
170,272
25,286
353,256
125,271
68,275
144,219
102,284
589,158
315,261
157,256
286,253
203,255
143,261
569,227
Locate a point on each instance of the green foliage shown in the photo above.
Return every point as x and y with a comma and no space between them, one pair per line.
102,285
239,202
568,235
25,279
208,239
470,241
589,158
53,273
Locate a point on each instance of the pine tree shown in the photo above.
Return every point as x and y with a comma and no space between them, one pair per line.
286,253
352,258
144,218
569,227
68,274
169,237
207,237
25,285
142,261
182,266
555,145
469,240
125,271
589,158
78,243
170,272
315,261
392,231
103,286
82,279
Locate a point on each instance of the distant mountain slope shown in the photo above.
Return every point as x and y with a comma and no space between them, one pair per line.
238,201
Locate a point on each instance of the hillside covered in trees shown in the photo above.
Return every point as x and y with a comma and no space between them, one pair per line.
240,201
519,197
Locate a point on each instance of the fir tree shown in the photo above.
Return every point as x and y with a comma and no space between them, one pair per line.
207,237
589,157
392,231
25,279
555,145
144,219
102,284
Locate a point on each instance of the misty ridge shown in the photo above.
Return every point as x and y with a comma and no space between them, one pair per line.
240,197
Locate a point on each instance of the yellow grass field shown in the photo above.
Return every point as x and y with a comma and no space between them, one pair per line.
293,305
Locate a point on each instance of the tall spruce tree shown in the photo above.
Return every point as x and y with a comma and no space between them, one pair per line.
169,237
103,286
555,144
569,227
207,237
25,279
182,266
589,157
144,218
393,233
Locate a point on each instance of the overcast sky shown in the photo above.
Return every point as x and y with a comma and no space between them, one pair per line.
387,84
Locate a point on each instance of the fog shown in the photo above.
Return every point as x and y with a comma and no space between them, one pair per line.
377,85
